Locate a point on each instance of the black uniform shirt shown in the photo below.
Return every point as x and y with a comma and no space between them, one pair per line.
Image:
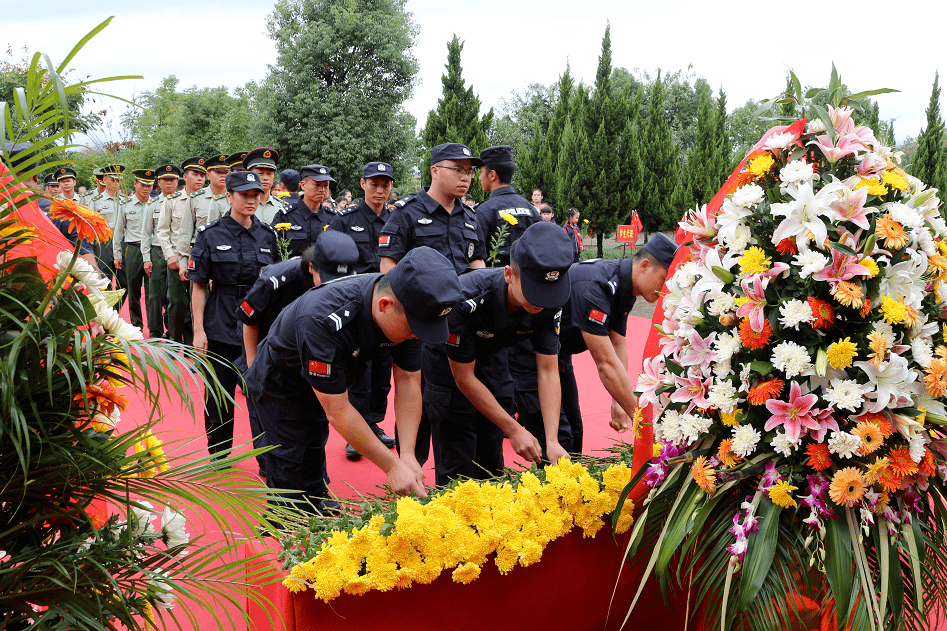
232,256
423,221
481,325
278,285
600,301
306,226
364,226
504,200
323,341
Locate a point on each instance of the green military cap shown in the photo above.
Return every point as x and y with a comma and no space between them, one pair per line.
64,172
97,175
114,170
195,164
145,176
221,163
51,180
167,170
236,160
265,157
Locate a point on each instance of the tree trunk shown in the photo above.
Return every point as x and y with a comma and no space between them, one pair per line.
599,240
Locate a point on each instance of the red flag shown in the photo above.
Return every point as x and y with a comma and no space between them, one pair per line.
636,226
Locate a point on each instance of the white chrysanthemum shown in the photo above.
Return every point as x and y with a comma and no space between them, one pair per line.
81,271
686,274
782,445
727,345
114,324
721,303
741,238
938,226
671,427
745,377
791,358
796,172
846,394
844,445
723,396
141,520
794,312
905,215
164,592
779,141
925,241
745,439
173,524
916,445
722,369
811,262
692,426
815,126
748,195
922,351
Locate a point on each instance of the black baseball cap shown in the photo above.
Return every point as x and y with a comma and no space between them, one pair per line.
544,254
290,177
378,169
454,151
497,155
661,248
317,172
335,254
426,285
238,181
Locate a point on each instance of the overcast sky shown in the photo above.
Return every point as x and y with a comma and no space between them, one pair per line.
509,44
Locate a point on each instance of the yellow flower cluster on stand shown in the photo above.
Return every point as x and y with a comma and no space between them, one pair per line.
460,528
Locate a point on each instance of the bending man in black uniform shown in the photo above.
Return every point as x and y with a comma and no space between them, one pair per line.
596,319
363,223
320,344
469,394
229,251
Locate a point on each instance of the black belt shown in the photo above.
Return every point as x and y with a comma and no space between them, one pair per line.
230,290
138,243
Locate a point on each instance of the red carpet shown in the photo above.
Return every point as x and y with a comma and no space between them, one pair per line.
352,478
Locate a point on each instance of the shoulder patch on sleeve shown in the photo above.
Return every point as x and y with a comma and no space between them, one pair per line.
343,316
401,203
98,197
221,196
197,193
174,195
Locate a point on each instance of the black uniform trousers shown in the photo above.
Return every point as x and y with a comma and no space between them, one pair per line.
134,269
218,411
570,403
523,371
466,443
369,395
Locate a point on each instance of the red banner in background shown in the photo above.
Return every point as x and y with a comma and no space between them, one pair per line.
630,232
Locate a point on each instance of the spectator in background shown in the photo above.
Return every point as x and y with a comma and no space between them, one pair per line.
469,200
547,213
287,189
538,200
572,229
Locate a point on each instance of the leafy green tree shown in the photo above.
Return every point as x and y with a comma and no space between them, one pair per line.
632,165
573,171
342,72
660,156
457,117
529,155
746,128
927,163
724,156
548,163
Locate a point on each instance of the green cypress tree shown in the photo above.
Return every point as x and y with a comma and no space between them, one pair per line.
457,117
724,156
529,174
788,110
927,164
699,172
660,157
549,151
605,124
573,169
874,122
632,167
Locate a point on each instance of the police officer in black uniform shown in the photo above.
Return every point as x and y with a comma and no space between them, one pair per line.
333,256
308,218
319,346
504,207
364,223
230,252
596,319
468,393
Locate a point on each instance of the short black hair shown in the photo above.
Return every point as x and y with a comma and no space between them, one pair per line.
641,254
504,171
572,212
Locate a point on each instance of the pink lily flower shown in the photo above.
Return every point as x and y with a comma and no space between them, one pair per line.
794,415
842,120
871,166
692,390
851,207
826,422
650,380
844,146
698,352
843,267
777,269
754,289
700,222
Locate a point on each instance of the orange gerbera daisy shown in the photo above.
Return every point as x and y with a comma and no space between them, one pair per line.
911,316
866,308
936,378
704,475
849,294
878,344
891,232
762,392
901,462
928,466
87,224
637,422
889,480
848,487
727,456
819,458
881,420
823,313
876,470
17,229
103,398
870,435
752,339
787,246
937,264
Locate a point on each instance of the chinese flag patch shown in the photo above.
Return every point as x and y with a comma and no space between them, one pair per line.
453,339
597,316
383,240
247,309
190,264
319,369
